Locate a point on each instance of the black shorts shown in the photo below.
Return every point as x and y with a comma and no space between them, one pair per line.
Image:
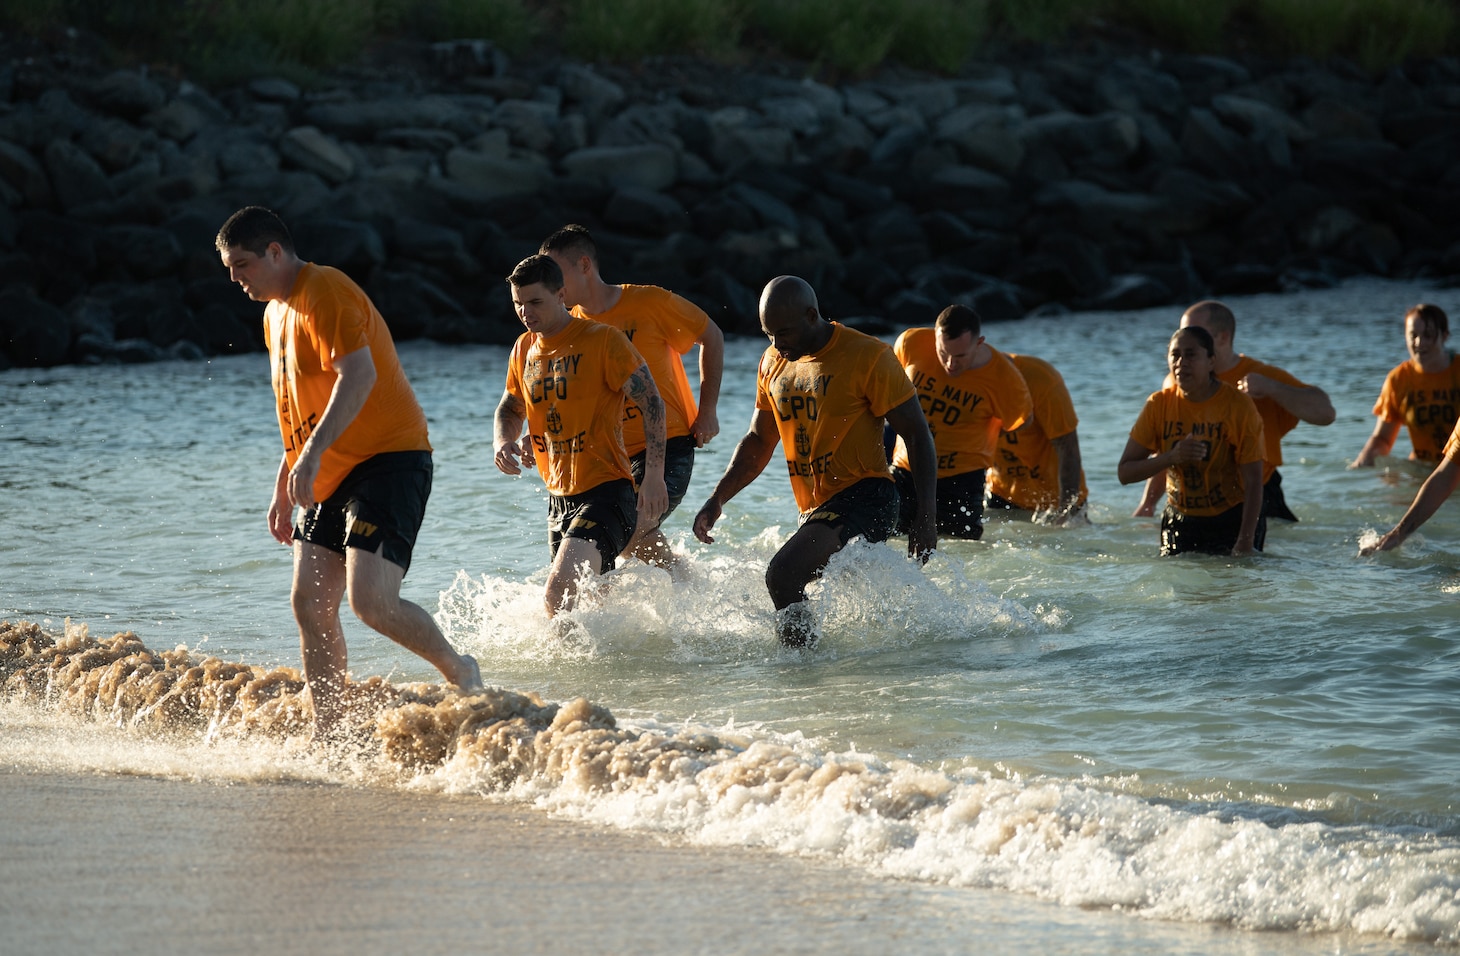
377,508
867,509
1205,534
960,503
604,514
1274,502
679,465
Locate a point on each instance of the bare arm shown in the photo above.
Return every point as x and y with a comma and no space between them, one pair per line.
1381,442
1137,462
641,390
751,456
507,428
354,378
1152,493
911,426
1434,492
281,511
1067,451
712,369
1310,403
1251,508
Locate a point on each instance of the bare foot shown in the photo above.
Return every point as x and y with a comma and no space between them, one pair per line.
472,684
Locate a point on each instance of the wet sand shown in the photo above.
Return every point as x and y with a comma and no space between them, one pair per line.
121,863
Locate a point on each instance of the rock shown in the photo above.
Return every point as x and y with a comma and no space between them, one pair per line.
1105,140
274,89
645,212
140,252
1130,292
595,94
127,93
353,247
485,176
311,150
24,173
32,331
650,166
76,178
179,120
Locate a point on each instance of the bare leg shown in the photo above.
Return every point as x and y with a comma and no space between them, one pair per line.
562,585
319,584
800,561
651,547
374,589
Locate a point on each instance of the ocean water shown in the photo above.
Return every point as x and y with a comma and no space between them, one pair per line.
1271,744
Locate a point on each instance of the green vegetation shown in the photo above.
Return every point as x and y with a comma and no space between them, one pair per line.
228,39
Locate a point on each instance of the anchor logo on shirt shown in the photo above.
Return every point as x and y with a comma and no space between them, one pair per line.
554,420
803,441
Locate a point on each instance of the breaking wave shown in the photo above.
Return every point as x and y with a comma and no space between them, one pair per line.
1070,841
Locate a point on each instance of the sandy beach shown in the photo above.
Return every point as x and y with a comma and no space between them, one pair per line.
123,863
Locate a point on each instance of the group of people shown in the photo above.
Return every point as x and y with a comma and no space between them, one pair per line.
915,439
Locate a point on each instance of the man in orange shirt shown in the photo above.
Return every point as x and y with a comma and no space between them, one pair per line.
663,327
568,379
1037,467
823,391
969,392
1281,399
356,458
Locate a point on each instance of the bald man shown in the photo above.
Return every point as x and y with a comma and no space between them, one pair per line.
823,391
1282,401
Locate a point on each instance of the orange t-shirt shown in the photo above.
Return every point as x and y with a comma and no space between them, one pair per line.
1428,405
327,316
663,327
829,408
1026,468
1452,447
1228,422
1276,420
965,411
572,385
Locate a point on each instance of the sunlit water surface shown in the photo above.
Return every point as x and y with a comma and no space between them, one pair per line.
1269,742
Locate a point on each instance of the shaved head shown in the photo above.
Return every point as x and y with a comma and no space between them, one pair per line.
1213,316
787,295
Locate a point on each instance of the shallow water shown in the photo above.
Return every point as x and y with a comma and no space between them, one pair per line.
1269,743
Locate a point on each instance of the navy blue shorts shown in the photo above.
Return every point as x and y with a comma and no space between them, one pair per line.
379,507
960,503
679,465
604,514
1205,534
867,509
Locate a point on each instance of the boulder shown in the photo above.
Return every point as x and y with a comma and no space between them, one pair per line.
649,166
311,150
645,212
33,332
76,178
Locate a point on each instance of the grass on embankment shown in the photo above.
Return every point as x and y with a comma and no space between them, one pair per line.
217,40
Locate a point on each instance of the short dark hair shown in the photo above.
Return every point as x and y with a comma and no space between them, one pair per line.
1432,316
571,240
1202,336
535,269
254,228
955,320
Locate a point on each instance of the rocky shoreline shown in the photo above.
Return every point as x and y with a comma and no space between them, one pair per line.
1069,180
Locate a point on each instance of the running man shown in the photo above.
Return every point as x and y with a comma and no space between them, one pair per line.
1037,467
968,392
1281,399
663,327
823,391
568,379
356,458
